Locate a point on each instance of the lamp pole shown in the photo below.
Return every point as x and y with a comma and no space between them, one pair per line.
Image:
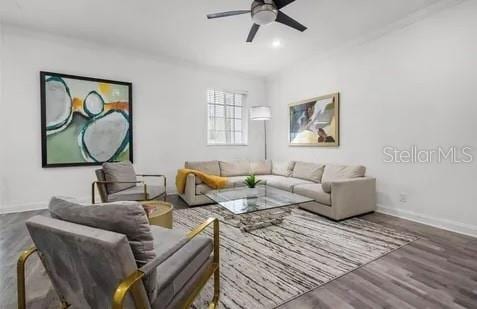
263,113
265,137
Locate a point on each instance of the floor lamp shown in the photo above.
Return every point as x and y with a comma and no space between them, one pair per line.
263,113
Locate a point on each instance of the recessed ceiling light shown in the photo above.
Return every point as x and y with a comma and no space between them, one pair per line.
276,43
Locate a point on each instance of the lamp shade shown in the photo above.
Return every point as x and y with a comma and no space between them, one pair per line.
260,113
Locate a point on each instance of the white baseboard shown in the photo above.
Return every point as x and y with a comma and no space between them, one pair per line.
23,208
461,228
7,209
453,226
43,205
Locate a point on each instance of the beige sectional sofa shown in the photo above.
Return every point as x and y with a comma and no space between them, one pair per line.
339,191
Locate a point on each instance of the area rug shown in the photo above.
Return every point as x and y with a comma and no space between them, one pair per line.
268,267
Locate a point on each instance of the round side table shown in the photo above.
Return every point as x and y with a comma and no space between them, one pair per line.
159,213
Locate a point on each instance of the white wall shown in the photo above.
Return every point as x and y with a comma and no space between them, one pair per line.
170,113
413,86
2,148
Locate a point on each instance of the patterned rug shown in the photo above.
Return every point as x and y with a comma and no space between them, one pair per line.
268,267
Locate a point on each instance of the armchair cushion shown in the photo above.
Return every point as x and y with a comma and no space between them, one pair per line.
119,171
185,259
136,193
126,218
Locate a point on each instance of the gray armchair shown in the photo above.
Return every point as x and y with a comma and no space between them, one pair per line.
118,182
109,257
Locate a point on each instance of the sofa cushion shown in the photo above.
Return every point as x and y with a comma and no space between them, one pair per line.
308,171
177,270
282,182
326,186
261,167
119,171
137,194
237,181
234,168
202,188
283,168
337,172
315,191
208,167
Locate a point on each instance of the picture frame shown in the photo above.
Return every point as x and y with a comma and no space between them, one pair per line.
85,121
315,122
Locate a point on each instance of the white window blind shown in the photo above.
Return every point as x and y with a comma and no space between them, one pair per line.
226,121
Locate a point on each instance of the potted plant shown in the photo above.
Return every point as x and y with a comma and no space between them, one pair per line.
251,181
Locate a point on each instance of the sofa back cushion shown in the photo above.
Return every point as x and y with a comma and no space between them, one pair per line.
234,168
283,168
337,172
127,218
208,167
308,171
84,264
119,171
261,167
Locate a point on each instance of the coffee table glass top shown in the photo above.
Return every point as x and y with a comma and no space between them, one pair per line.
245,200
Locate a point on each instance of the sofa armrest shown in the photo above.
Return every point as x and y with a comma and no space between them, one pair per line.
350,197
189,190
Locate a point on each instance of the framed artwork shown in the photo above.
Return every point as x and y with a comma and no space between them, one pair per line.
315,122
85,121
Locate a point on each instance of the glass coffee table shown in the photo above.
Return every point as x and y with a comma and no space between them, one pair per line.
250,209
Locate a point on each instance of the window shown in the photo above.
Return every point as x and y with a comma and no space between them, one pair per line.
226,121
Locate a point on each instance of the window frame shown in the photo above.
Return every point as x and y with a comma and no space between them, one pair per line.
244,119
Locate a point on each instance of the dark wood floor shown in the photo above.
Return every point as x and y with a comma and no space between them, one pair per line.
437,271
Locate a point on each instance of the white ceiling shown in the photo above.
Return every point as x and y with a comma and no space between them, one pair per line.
180,29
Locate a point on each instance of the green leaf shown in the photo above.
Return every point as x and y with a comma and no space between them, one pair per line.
251,181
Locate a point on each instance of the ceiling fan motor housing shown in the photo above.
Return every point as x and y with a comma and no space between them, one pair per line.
264,13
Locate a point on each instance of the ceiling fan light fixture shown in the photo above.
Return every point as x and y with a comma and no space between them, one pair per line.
264,14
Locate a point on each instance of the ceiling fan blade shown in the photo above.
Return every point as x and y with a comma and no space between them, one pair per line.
227,14
287,20
282,3
252,33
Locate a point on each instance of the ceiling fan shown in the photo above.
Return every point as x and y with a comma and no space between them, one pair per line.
264,12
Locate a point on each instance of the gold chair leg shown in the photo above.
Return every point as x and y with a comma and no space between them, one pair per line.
21,293
216,258
215,300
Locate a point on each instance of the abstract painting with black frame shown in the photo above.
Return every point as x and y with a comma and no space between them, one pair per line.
84,120
315,122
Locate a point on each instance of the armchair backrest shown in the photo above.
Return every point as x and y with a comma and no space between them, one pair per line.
85,264
102,188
